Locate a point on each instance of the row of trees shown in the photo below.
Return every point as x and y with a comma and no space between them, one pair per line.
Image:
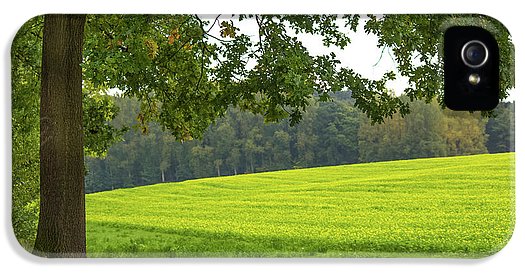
185,76
331,133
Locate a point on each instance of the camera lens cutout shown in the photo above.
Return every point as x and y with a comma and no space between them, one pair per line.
474,54
471,69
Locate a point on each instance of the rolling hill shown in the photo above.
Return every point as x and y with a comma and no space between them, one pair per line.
438,207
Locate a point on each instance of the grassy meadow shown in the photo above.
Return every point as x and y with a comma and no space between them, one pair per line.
439,207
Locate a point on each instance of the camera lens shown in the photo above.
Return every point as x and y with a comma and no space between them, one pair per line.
474,54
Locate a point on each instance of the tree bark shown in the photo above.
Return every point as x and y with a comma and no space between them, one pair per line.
62,222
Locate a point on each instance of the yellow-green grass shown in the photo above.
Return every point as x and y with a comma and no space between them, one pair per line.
439,207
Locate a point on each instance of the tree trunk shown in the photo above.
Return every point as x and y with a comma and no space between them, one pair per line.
62,222
162,175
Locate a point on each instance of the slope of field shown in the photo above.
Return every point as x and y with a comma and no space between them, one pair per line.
441,207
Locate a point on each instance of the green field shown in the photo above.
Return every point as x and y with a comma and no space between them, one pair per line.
440,207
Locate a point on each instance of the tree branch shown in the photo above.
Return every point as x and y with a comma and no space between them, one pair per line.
381,56
202,65
207,34
214,22
259,23
218,39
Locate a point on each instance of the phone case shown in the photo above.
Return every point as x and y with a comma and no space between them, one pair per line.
254,136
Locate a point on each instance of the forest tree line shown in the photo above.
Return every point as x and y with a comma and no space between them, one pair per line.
331,133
